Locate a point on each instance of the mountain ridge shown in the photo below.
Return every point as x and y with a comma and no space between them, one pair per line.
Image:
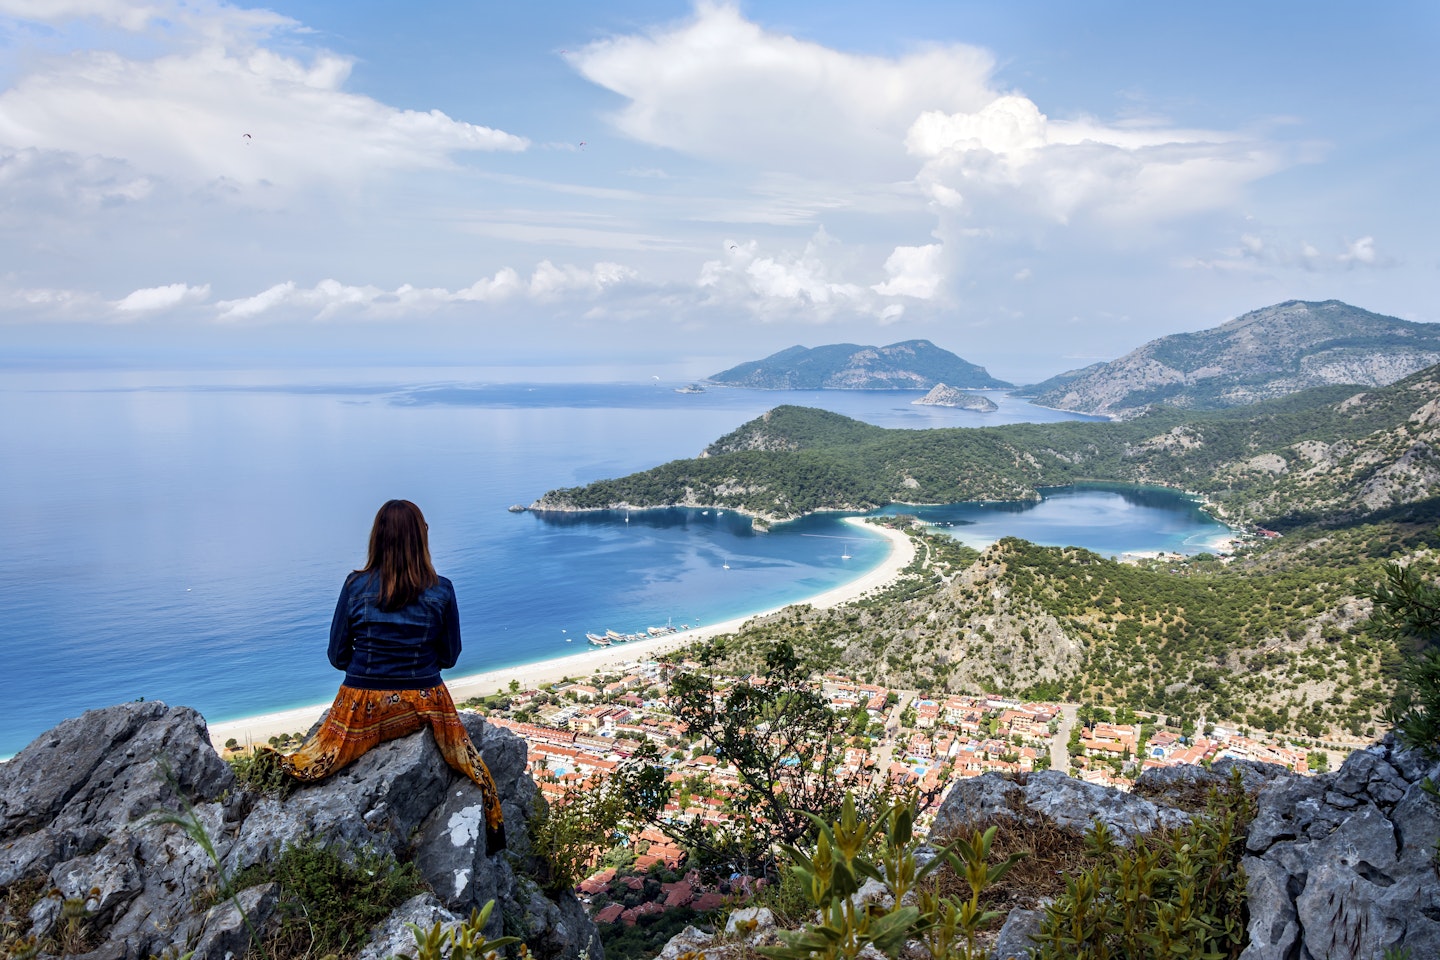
1260,355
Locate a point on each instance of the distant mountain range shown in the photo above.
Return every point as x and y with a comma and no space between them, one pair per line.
910,365
1264,354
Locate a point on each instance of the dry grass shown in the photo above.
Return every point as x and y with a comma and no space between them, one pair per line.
75,932
1192,796
1052,853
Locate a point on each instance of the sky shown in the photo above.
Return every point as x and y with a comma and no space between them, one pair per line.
667,188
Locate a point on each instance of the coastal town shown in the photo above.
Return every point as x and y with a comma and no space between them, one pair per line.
579,731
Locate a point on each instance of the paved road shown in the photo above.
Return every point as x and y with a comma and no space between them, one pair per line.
892,721
1059,755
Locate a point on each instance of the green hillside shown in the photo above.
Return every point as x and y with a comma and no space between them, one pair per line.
1325,453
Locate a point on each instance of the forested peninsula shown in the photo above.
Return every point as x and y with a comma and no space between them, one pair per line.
1326,455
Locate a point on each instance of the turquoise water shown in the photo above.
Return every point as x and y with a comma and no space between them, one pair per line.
182,535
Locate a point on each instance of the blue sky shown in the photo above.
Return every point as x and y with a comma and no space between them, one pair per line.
670,188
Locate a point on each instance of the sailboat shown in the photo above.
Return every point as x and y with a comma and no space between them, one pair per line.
845,553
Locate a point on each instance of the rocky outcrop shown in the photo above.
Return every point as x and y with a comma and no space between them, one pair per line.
77,814
1067,801
942,396
1344,865
1339,865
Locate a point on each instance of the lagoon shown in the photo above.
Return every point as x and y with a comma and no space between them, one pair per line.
181,535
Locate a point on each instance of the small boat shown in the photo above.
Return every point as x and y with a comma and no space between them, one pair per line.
599,641
845,555
614,637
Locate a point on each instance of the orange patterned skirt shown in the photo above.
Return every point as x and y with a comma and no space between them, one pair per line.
362,719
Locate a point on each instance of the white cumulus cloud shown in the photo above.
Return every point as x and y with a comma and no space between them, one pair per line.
1011,157
723,87
549,280
218,105
913,272
150,299
330,298
123,13
814,283
1257,254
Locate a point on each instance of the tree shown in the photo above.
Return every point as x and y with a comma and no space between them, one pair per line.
785,744
1407,610
571,833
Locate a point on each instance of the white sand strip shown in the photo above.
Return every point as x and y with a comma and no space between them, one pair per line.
577,666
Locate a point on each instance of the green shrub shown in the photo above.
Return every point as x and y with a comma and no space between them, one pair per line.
1176,895
261,772
852,850
329,904
1407,609
463,942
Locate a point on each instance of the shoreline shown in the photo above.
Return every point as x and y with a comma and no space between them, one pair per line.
261,727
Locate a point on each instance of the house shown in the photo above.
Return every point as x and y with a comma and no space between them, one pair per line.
609,913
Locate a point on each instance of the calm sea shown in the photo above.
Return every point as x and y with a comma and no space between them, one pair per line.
182,535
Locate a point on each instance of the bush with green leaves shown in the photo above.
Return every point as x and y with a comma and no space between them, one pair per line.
465,941
885,849
329,902
1407,610
1174,895
261,771
570,834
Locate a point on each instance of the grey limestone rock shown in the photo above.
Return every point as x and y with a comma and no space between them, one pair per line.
1014,941
689,940
750,923
225,931
1191,778
1066,800
1343,865
77,805
1339,865
394,938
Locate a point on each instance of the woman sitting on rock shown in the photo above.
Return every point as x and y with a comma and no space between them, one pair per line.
396,627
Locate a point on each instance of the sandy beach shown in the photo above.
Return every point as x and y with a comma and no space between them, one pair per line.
259,729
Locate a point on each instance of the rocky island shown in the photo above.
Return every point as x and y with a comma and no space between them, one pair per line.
909,365
942,396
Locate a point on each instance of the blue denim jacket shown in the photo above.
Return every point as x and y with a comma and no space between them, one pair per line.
401,649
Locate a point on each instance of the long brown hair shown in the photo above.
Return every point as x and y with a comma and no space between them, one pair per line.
400,554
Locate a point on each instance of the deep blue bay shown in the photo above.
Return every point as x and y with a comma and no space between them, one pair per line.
181,535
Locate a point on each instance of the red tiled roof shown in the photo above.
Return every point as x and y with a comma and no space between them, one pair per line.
706,902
